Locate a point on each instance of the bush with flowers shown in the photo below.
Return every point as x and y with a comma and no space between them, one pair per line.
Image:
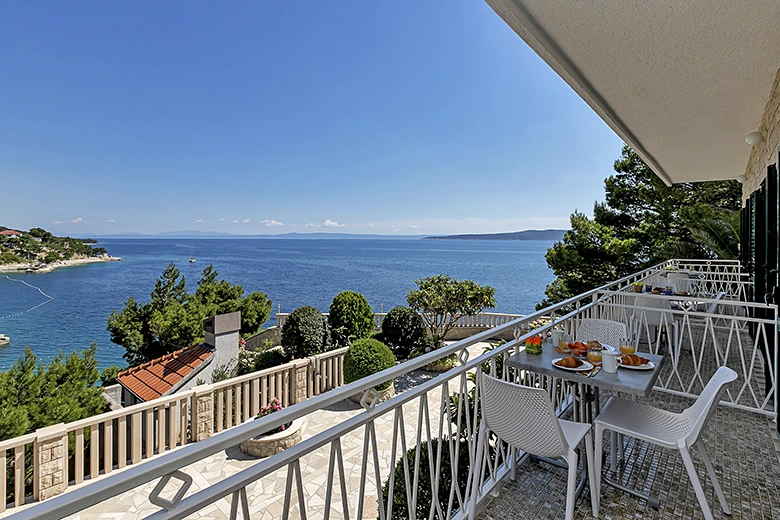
274,406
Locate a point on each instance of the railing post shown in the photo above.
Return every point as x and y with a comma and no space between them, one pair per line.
202,408
50,468
278,315
299,376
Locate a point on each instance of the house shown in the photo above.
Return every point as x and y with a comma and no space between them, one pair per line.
182,369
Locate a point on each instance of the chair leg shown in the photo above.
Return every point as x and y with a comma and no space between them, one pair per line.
713,477
697,487
478,456
599,442
571,486
513,463
594,489
613,447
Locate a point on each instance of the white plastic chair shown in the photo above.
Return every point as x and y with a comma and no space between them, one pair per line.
681,431
604,331
524,417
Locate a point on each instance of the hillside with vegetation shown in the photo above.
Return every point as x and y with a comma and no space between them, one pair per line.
39,246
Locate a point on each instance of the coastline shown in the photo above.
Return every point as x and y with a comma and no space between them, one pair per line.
15,268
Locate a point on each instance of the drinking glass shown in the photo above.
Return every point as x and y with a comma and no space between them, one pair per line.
563,342
594,354
627,349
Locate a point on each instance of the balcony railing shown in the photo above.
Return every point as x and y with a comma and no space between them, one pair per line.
481,320
437,415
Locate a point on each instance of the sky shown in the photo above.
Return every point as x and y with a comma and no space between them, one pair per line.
403,117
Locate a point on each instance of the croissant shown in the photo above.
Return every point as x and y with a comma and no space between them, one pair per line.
593,344
569,362
634,360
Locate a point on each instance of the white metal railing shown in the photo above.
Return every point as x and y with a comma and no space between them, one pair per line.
481,320
420,401
698,335
97,445
439,410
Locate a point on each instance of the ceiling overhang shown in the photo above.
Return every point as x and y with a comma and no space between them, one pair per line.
682,83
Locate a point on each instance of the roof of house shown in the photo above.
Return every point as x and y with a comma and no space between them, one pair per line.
682,82
157,377
9,232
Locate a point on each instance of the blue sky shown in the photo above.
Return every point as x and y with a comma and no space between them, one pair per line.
399,117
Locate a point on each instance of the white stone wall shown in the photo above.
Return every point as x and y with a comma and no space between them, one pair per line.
766,152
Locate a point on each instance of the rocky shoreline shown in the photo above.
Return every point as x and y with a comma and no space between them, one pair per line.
47,268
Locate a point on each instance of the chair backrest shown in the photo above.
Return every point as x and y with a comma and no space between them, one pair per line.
604,331
699,413
653,317
523,416
713,308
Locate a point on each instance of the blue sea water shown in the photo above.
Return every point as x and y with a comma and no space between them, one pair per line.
292,272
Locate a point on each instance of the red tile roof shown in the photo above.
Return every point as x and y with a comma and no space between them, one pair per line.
9,232
156,377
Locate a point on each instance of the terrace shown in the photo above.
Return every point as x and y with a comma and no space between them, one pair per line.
343,468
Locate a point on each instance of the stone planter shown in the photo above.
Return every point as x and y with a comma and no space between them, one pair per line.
441,365
384,395
268,445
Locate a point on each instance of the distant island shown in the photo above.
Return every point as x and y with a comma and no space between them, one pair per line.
530,234
39,251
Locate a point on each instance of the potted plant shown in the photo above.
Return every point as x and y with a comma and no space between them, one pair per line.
638,286
276,440
533,345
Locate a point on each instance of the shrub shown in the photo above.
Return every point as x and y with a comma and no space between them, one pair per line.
303,333
424,486
350,318
254,360
366,357
403,330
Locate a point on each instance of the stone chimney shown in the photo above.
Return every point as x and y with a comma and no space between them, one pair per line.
221,335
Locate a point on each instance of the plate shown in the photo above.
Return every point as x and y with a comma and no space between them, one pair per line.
647,366
582,368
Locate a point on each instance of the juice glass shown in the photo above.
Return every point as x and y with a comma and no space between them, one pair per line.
594,354
627,349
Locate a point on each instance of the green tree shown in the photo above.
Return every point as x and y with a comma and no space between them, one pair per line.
350,318
173,318
443,300
641,222
33,395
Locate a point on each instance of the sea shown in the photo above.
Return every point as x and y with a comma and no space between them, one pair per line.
292,272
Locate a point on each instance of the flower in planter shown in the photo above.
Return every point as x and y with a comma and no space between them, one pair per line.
242,342
274,406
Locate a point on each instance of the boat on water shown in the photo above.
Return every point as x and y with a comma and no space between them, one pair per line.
4,340
192,260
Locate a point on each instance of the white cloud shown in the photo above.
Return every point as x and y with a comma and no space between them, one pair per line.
57,222
198,221
369,225
110,221
312,224
246,221
412,226
16,174
77,220
271,223
235,221
331,223
223,220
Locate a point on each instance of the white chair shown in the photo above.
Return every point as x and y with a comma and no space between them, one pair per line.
604,331
681,431
524,417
